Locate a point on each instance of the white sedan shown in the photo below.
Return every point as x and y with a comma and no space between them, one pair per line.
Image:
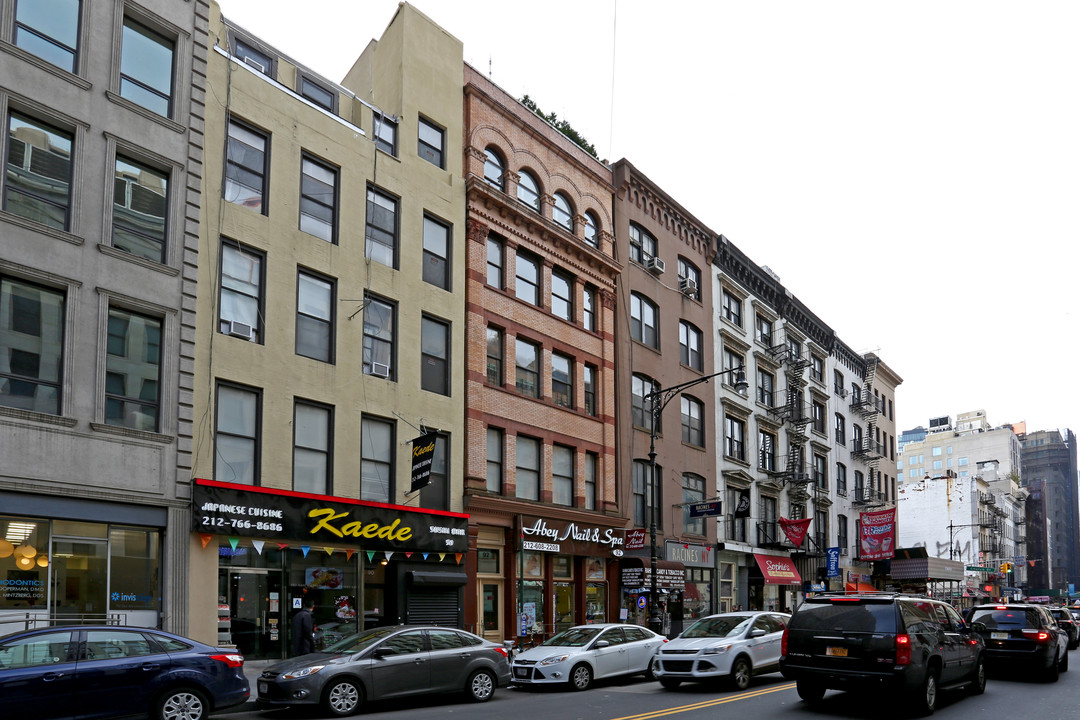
581,654
733,646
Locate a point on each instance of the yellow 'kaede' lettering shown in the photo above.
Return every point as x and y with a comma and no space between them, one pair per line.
391,532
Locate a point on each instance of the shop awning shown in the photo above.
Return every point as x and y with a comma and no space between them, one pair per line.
926,568
778,569
429,577
859,587
636,572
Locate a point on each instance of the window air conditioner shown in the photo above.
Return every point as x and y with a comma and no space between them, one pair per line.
255,64
380,370
655,265
843,551
241,330
688,286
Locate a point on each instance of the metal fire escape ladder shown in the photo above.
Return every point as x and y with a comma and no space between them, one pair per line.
871,451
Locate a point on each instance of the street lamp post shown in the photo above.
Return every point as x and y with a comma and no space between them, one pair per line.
658,400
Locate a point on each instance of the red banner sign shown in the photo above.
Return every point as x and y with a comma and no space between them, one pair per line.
877,535
795,530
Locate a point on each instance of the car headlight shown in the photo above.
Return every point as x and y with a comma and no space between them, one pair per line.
553,660
719,650
302,672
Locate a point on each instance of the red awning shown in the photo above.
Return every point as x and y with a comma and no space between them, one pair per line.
778,570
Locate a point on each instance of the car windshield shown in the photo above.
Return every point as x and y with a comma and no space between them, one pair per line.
724,626
846,615
574,637
995,618
359,641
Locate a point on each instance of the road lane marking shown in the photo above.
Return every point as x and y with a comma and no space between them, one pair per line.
706,703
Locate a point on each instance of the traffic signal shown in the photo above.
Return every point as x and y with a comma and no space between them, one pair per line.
1006,567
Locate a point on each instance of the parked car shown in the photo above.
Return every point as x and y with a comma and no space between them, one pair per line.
581,654
734,646
903,647
1068,623
387,662
109,671
1022,636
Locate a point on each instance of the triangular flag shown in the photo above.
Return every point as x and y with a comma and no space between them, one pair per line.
1031,563
205,539
457,556
388,554
329,551
441,556
258,545
425,555
408,555
282,546
371,556
305,549
349,554
234,542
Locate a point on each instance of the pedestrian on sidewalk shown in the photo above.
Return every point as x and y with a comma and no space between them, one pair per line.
303,628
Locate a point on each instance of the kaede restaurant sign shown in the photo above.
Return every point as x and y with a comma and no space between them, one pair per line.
570,538
231,509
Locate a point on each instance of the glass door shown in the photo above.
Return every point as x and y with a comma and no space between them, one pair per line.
80,581
256,612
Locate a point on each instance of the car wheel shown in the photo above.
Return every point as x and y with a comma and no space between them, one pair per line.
343,697
182,704
670,683
810,692
740,673
925,701
581,677
481,686
649,674
978,678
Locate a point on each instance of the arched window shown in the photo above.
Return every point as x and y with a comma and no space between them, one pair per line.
529,190
592,230
562,213
494,170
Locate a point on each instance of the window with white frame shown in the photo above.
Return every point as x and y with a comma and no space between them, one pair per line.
313,431
237,442
314,317
731,307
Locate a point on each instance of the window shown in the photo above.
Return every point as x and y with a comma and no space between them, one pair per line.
245,167
318,94
856,394
435,356
766,384
821,528
313,429
592,229
50,31
640,408
856,437
528,190
646,495
381,228
689,345
495,356
561,211
562,380
734,438
376,459
693,424
643,321
736,526
527,373
841,479
860,486
763,330
436,253
794,348
527,270
732,361
38,182
527,472
31,346
821,479
817,410
431,143
817,368
840,426
693,492
838,383
236,443
934,452
494,460
140,200
766,451
589,309
842,533
688,271
318,199
252,56
379,324
562,295
562,475
314,317
494,170
436,494
385,133
642,245
732,308
146,68
591,463
132,370
589,383
241,292
495,262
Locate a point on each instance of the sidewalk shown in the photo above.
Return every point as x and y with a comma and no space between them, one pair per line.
252,670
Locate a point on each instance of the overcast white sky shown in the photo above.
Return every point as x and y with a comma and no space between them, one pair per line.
910,170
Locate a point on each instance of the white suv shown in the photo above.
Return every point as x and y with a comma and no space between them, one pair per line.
733,646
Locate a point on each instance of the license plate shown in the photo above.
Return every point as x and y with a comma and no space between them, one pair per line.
521,672
263,687
836,651
999,636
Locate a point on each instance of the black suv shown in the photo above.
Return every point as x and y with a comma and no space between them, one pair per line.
1022,636
1067,622
908,646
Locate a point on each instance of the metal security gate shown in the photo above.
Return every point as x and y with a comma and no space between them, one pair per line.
433,606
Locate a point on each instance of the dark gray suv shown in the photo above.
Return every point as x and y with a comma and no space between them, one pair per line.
906,646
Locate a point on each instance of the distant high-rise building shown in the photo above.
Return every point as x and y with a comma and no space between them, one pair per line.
1050,472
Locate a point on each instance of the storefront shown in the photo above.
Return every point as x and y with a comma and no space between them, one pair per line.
364,564
636,580
699,594
775,585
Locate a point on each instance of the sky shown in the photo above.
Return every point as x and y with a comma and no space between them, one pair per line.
910,170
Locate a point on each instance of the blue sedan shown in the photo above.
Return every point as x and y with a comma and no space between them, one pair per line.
81,672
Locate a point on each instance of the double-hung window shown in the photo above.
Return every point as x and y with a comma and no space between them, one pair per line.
642,245
385,133
735,438
561,211
436,253
495,262
841,429
691,276
589,385
562,296
494,356
318,93
434,355
241,292
641,408
689,345
49,30
693,423
817,410
436,494
245,167
494,170
38,182
588,309
646,494
494,460
693,492
313,432
527,469
562,475
431,143
379,325
140,202
592,229
146,68
821,478
31,346
591,463
318,198
763,330
562,380
376,459
643,316
732,308
528,190
817,368
133,370
766,384
527,269
314,317
527,368
237,441
766,451
382,229
841,479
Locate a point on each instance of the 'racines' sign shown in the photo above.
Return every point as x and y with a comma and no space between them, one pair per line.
570,538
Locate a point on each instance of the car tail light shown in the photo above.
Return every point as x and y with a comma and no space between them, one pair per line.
1042,637
903,650
502,651
232,659
666,640
783,642
1001,607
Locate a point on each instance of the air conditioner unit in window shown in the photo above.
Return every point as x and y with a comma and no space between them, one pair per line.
688,286
843,551
655,265
380,370
255,64
241,330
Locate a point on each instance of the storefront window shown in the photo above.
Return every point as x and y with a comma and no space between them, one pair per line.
532,565
532,605
80,583
595,603
594,568
487,561
374,594
562,566
330,580
564,606
24,563
134,569
696,595
248,557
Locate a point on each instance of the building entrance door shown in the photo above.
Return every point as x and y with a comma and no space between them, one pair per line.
256,612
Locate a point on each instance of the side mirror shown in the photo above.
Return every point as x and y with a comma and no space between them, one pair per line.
978,627
379,653
601,644
756,633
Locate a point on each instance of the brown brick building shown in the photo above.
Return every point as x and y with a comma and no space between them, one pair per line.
540,488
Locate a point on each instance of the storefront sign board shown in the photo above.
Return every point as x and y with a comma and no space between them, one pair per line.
570,538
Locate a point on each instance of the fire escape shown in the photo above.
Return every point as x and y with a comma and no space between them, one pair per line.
869,451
